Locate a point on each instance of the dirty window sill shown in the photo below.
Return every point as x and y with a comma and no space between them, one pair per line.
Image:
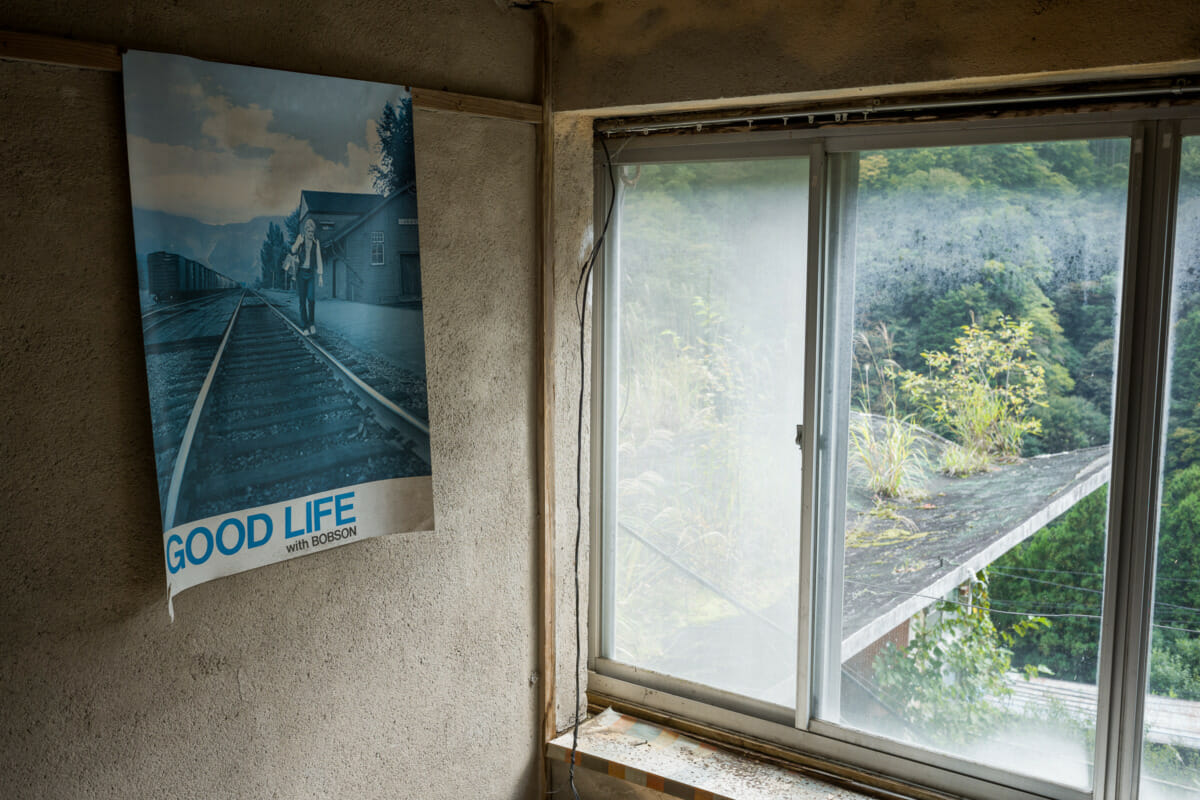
646,755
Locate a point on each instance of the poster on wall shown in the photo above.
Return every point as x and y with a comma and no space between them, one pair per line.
278,263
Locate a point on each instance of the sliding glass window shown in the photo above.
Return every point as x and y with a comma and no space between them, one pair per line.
977,449
867,428
1171,744
707,377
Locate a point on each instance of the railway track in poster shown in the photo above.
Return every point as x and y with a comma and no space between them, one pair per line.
173,313
277,416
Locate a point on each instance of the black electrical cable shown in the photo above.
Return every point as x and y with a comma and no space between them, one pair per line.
585,279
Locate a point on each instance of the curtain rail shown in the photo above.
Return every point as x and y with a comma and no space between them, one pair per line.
818,114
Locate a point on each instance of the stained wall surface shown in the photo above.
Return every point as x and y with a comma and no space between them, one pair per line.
632,52
395,667
472,46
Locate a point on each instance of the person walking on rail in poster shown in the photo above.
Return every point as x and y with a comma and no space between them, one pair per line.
308,256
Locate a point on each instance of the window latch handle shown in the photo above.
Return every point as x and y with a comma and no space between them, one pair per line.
800,436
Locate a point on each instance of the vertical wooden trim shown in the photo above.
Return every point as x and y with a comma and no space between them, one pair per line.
15,46
435,100
546,404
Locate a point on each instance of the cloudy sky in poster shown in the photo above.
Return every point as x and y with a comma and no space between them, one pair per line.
223,144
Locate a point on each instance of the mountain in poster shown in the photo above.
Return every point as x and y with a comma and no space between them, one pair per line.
231,249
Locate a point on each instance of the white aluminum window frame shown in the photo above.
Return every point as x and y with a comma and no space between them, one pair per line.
1137,435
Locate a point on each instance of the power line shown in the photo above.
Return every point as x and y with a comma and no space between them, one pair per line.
1160,604
1002,571
1175,628
1157,604
1062,571
967,605
1059,571
998,611
1086,574
725,595
1070,606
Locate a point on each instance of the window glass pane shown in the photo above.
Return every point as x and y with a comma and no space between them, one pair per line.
977,450
1171,744
708,344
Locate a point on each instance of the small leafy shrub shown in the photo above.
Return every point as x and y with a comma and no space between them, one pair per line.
982,393
948,682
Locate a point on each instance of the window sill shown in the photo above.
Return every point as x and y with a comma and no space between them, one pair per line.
642,754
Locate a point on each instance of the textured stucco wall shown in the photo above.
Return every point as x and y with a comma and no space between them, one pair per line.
631,52
572,245
473,46
396,667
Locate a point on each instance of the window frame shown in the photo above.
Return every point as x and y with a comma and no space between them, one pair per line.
378,241
1138,429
